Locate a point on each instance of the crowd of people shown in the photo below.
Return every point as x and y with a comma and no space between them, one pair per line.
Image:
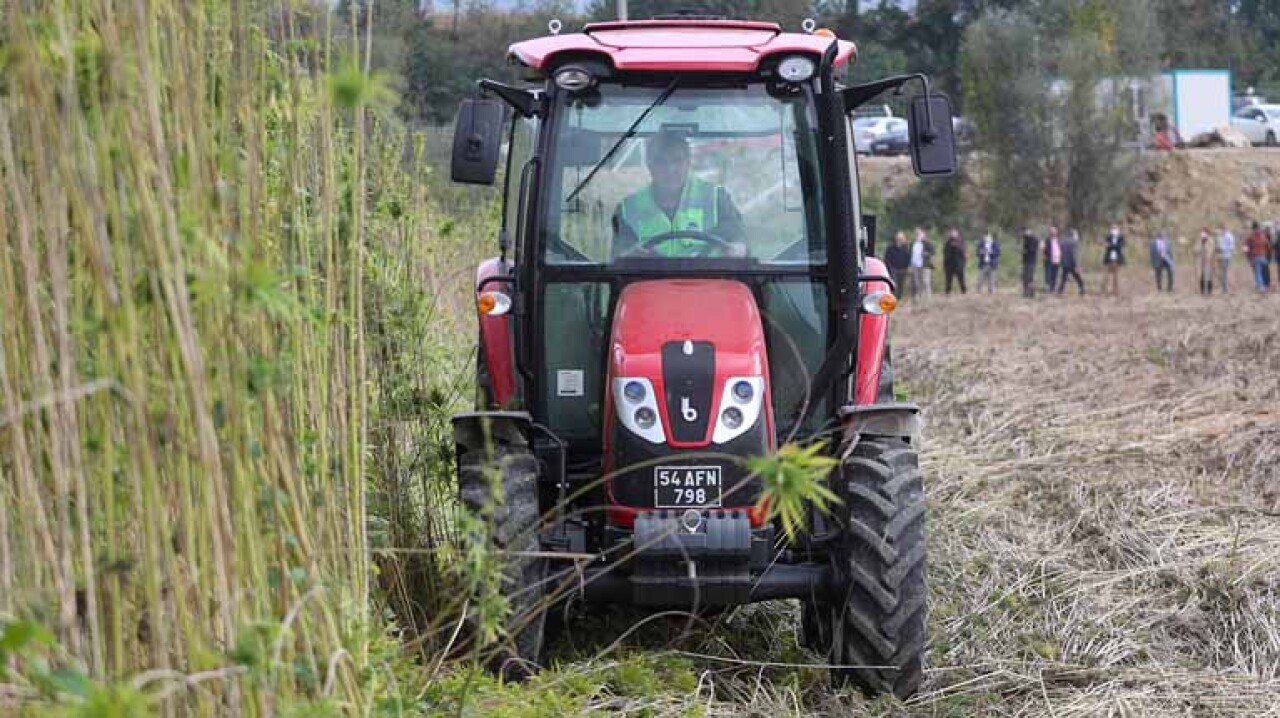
911,263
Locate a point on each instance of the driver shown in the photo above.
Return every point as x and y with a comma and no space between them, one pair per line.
675,201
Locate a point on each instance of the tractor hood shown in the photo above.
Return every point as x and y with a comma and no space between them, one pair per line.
688,338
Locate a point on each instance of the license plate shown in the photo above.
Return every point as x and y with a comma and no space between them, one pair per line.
680,486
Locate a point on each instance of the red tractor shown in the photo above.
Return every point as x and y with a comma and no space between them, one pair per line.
684,281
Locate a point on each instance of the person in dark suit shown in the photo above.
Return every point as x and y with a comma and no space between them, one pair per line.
1030,253
898,259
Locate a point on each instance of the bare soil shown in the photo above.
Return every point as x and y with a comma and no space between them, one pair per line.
1105,497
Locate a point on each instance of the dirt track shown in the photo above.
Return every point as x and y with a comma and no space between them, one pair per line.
1105,493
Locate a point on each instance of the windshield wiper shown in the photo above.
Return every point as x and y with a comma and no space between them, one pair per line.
631,131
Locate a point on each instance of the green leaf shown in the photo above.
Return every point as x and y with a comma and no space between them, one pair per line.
19,634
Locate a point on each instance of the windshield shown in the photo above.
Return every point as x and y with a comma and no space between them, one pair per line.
663,172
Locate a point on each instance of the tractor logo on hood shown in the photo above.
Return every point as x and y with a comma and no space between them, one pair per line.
689,413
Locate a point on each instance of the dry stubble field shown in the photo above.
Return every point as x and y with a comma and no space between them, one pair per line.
1105,525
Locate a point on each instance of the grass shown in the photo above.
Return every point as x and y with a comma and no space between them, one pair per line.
215,242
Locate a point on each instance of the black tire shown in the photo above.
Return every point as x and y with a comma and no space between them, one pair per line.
876,633
512,521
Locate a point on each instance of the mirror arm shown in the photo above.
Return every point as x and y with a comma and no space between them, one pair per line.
525,102
859,95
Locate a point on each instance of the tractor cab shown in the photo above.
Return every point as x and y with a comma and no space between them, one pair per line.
684,280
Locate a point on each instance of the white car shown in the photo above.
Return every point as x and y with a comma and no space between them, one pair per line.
1260,123
869,129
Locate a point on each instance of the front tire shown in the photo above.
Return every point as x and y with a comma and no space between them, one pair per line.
873,626
508,505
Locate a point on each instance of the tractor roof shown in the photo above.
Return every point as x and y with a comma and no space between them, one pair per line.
678,45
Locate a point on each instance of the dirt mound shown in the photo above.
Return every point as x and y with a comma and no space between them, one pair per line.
890,176
1179,192
1183,191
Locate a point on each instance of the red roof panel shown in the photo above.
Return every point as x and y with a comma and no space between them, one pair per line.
675,45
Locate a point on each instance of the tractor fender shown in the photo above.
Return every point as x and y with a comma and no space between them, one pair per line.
873,337
900,420
482,430
495,337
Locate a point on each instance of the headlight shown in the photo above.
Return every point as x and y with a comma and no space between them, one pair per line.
741,402
796,68
634,392
636,407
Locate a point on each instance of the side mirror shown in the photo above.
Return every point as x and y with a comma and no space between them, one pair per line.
933,142
477,138
869,226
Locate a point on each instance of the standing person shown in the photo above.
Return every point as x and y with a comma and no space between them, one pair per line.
898,259
988,262
1113,258
1162,259
953,259
921,265
1226,249
1052,260
1269,233
1258,250
1070,255
1030,251
1204,260
1275,252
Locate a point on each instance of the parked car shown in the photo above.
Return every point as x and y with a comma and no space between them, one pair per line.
867,130
894,142
1259,123
1249,99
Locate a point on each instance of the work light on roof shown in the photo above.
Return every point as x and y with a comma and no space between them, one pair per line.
796,68
574,79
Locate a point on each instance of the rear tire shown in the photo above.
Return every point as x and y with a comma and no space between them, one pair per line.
874,629
512,520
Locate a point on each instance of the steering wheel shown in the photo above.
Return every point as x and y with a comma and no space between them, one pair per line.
709,241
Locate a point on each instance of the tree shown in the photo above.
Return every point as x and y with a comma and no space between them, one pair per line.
1002,68
1107,46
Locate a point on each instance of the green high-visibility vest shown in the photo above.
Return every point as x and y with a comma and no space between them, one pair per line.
696,211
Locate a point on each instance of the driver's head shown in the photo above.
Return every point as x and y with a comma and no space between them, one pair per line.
667,155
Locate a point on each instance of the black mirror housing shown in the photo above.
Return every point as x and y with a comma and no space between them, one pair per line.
477,139
933,142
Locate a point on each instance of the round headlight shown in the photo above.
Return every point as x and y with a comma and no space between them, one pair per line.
634,391
731,418
743,391
796,68
574,79
645,418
